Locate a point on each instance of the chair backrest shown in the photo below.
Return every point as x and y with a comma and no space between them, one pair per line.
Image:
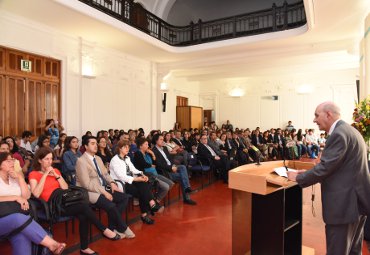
192,159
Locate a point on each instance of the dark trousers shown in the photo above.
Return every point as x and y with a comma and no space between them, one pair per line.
114,209
141,190
345,239
224,165
85,215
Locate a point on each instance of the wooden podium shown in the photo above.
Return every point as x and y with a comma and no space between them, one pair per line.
267,210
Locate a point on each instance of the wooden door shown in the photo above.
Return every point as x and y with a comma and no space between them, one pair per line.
207,116
14,105
35,111
2,105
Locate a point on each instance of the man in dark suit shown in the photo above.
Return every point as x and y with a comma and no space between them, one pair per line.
166,167
345,182
206,154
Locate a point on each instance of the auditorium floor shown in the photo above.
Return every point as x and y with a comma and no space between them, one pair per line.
185,229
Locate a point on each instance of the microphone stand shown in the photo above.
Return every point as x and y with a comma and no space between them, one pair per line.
283,155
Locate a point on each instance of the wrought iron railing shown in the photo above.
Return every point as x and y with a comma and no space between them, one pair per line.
280,18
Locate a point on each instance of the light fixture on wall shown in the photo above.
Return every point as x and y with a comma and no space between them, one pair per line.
164,86
87,70
236,92
304,89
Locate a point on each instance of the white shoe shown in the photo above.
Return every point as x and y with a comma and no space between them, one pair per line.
128,233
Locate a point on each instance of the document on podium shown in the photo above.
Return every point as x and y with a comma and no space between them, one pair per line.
281,171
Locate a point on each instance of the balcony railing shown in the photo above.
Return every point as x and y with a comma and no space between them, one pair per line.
278,18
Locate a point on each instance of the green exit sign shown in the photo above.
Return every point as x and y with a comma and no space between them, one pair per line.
26,65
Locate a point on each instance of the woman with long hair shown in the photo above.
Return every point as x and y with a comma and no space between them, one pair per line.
44,180
103,151
14,188
59,148
136,183
70,156
143,161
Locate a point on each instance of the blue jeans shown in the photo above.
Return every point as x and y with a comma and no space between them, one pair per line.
312,148
21,242
181,176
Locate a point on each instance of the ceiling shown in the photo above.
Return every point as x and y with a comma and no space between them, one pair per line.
330,41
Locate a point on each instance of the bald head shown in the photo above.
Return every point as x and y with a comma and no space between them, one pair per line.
331,107
326,114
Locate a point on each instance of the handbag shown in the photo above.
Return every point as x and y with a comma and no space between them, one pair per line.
10,207
74,195
63,198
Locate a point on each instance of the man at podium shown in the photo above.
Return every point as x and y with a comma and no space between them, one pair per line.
345,182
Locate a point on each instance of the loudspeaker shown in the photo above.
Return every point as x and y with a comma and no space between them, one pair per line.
164,102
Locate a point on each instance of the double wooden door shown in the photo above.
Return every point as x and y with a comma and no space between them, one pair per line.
26,104
27,98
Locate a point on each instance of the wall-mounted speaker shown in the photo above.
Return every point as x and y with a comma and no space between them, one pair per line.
164,102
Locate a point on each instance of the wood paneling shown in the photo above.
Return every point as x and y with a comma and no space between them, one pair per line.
2,104
189,116
15,105
2,59
28,98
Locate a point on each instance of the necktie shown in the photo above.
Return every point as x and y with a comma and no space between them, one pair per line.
211,150
103,181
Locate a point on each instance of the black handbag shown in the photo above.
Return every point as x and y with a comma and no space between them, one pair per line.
74,195
10,207
63,198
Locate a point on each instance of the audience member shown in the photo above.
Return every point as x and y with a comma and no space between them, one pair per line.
104,193
45,180
14,188
135,182
166,166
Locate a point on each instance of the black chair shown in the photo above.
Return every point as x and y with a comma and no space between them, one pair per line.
195,166
42,214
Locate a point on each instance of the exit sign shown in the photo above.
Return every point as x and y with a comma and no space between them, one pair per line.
26,65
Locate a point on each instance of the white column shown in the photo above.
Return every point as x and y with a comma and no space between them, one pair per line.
365,86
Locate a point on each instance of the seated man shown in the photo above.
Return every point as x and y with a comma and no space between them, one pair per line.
312,146
165,166
206,154
92,175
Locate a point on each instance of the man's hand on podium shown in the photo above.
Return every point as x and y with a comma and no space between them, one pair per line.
292,175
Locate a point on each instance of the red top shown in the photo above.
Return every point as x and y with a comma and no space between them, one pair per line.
50,185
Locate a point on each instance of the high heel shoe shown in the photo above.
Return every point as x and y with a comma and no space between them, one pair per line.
85,253
147,220
117,237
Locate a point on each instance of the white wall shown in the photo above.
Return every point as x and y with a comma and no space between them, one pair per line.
120,96
178,87
256,107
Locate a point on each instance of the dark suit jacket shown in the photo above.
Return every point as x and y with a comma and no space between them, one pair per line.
254,139
344,176
139,161
161,163
204,155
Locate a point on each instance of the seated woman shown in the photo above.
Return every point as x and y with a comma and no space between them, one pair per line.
44,142
103,151
174,150
143,161
59,148
14,188
70,157
53,128
44,180
24,164
136,183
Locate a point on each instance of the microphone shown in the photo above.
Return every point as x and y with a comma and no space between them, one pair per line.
258,158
